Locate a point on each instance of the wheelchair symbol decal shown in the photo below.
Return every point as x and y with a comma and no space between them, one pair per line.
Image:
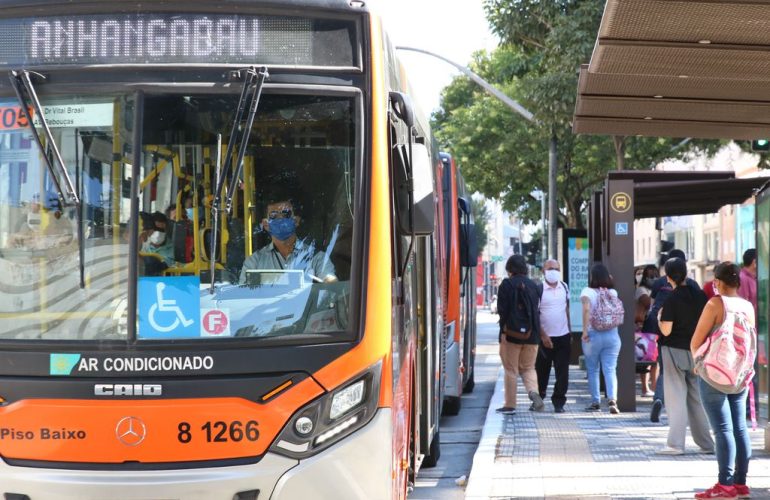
169,307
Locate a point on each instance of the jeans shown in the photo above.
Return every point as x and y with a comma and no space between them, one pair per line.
659,394
727,416
602,349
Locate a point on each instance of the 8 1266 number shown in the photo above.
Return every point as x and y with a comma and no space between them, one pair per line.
220,432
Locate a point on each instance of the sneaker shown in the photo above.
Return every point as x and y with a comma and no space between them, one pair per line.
657,405
670,450
706,451
742,490
647,394
506,410
613,406
594,407
558,409
537,401
718,491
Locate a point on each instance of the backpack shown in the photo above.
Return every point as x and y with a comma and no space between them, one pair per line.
608,312
519,323
646,347
726,359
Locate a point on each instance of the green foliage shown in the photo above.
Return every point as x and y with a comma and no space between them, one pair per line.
503,155
480,220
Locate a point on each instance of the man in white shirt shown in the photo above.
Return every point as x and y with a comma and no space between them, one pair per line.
554,334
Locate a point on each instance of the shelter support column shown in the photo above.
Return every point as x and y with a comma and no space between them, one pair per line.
620,261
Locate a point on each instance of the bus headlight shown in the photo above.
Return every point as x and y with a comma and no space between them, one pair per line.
347,398
332,416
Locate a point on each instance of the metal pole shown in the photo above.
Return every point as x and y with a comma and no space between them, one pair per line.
480,81
544,222
552,221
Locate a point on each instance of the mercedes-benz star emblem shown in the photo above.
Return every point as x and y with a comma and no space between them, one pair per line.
130,431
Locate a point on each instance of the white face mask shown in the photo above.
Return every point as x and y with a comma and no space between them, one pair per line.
157,238
552,275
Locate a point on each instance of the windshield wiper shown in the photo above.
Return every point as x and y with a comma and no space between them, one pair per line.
251,92
22,82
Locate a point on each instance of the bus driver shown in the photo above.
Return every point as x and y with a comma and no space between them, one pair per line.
285,251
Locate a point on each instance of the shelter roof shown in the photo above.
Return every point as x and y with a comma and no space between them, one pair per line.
659,194
678,68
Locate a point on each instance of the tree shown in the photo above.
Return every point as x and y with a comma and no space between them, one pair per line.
502,155
480,220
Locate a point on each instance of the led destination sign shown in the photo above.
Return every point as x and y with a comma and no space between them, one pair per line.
175,39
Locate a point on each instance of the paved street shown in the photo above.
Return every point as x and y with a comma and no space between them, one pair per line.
460,434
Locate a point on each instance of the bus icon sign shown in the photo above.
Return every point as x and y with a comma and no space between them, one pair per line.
620,202
169,307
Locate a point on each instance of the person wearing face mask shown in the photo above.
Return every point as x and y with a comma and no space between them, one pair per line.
554,334
285,250
159,246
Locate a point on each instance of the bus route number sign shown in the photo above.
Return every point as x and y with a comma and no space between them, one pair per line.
13,118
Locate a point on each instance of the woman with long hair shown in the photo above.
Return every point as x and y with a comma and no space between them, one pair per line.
677,319
726,412
600,347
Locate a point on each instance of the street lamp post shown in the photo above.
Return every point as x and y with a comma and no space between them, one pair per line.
518,108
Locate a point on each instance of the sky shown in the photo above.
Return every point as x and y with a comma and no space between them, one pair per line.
454,29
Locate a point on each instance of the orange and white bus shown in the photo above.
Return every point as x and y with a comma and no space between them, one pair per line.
218,253
459,242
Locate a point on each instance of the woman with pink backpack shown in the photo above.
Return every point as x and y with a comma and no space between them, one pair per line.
724,347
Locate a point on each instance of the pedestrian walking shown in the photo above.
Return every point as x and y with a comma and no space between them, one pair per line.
601,345
517,305
726,411
677,320
554,350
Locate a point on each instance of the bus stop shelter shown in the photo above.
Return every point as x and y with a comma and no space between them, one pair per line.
630,195
673,68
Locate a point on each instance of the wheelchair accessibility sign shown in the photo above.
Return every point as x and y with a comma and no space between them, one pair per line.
169,307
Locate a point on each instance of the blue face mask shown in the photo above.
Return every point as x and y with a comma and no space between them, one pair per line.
189,212
282,229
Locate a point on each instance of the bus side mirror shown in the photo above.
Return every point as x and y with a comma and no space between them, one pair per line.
469,248
417,218
424,206
402,107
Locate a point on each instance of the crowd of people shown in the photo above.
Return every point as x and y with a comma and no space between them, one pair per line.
679,327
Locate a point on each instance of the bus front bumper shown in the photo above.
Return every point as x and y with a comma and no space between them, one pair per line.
359,466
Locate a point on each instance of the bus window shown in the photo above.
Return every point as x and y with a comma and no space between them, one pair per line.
39,248
283,253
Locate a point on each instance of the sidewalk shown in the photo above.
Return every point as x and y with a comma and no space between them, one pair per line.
581,455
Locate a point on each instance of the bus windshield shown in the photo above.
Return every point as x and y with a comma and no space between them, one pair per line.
41,296
283,255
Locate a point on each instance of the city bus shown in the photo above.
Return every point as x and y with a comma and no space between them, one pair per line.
459,242
218,242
